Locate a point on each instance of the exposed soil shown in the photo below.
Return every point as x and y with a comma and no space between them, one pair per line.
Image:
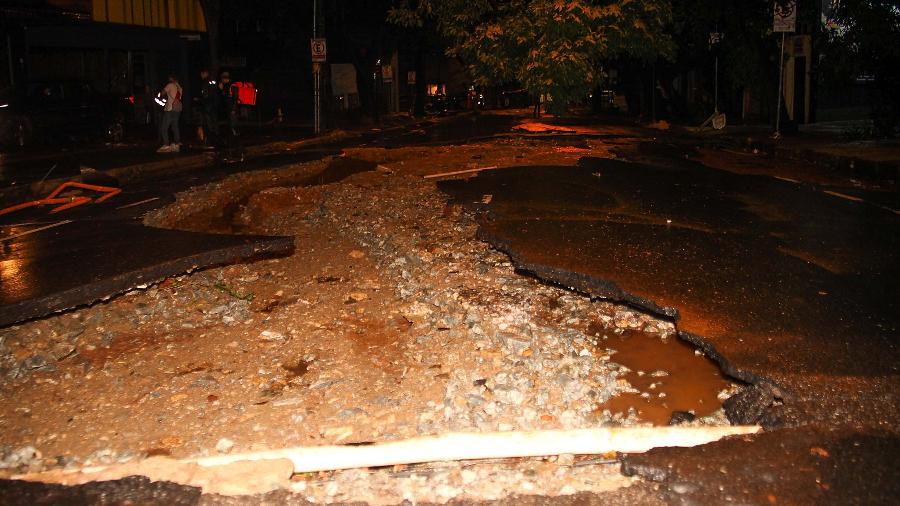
390,320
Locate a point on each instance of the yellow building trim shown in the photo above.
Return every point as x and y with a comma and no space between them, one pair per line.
99,9
137,13
174,14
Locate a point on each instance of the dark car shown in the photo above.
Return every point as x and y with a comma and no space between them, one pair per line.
60,111
442,104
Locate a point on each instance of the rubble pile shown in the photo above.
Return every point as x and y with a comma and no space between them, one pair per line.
389,321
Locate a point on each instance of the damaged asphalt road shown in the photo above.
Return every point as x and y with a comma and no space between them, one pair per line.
53,262
84,261
788,289
103,253
791,290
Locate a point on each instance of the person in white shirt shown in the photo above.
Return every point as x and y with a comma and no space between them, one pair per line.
171,96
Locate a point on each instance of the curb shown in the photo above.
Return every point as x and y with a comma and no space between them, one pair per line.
143,171
887,171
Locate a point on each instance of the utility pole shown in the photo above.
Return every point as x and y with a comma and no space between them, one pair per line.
777,133
317,92
716,119
653,93
716,102
376,74
784,20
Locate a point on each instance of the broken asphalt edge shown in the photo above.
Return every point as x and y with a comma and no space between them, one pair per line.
91,293
747,406
852,166
606,289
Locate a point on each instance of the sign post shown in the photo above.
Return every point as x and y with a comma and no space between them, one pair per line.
387,77
784,20
319,53
717,120
715,38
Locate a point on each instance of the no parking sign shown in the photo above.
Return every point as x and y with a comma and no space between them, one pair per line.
785,18
318,50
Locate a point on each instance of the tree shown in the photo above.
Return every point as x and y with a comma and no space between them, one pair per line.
554,48
863,38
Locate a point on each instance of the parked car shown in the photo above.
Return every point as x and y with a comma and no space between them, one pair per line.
442,104
61,111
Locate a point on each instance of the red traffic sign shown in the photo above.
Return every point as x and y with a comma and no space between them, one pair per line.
318,50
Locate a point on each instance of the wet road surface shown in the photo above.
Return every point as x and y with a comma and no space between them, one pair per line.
100,249
18,167
84,261
791,285
105,251
791,289
23,168
739,259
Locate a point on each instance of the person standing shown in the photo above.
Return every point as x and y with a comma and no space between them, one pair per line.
171,95
209,108
230,101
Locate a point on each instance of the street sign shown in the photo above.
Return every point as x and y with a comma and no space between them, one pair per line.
715,38
410,77
785,16
387,74
317,47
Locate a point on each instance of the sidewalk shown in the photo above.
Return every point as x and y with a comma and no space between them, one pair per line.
138,160
819,144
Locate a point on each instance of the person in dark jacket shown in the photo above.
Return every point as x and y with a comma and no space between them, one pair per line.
209,108
230,101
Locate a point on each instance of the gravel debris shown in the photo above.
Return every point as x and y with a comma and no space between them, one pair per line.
390,321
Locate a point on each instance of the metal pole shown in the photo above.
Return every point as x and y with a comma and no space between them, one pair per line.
375,90
717,85
653,93
317,123
318,103
780,84
12,66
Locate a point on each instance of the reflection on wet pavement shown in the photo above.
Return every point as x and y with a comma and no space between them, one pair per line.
782,279
85,261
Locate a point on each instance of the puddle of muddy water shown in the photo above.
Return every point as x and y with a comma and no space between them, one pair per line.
687,380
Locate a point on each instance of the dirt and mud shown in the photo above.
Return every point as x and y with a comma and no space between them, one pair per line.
390,320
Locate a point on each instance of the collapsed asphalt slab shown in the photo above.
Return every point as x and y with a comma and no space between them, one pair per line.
388,296
82,262
368,208
131,490
785,282
791,290
799,465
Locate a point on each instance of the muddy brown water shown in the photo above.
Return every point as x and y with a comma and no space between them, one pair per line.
691,381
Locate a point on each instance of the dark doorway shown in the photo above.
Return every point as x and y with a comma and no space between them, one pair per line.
800,90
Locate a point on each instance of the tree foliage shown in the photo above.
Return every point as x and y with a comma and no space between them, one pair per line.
863,38
552,47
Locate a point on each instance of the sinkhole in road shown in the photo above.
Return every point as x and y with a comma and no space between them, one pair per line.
669,375
665,375
229,217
